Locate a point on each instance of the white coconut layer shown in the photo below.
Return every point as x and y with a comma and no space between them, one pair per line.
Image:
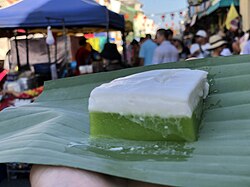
164,93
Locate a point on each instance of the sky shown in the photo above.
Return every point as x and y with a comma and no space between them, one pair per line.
155,9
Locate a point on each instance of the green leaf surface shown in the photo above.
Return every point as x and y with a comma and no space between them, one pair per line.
55,131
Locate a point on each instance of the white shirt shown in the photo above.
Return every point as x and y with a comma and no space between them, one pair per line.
246,49
194,47
226,52
165,53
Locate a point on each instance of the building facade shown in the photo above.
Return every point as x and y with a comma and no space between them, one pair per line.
137,23
210,15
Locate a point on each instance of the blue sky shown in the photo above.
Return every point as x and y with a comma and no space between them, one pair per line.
161,6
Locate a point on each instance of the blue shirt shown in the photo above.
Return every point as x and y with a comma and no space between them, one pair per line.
147,51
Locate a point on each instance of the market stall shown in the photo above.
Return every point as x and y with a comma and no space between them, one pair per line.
72,16
63,16
75,13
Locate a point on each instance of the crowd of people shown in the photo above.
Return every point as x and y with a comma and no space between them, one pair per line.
167,47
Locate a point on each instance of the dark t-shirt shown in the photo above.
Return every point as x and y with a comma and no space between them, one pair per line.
83,56
184,53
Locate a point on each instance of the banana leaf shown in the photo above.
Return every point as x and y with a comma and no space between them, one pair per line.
54,130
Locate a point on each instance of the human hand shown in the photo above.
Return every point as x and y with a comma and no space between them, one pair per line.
56,176
53,176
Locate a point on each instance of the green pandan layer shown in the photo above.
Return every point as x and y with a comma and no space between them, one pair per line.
145,128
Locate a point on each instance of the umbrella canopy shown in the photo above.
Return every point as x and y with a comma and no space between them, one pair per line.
74,13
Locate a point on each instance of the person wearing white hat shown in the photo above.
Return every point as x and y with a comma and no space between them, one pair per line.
200,48
201,33
217,44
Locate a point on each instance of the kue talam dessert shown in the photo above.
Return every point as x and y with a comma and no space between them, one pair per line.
154,105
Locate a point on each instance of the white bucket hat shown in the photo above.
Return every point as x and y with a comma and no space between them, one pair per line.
216,41
201,33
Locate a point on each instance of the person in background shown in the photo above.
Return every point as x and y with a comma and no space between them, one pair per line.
226,50
129,53
187,36
165,52
200,48
83,54
112,59
183,50
142,40
135,61
147,51
243,40
170,34
246,49
217,44
233,36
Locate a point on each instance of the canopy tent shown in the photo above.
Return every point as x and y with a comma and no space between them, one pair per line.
58,13
74,13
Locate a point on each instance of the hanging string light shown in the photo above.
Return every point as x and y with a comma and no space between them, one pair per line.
126,16
163,18
164,15
181,14
172,16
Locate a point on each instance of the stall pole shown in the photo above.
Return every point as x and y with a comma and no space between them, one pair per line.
55,52
48,47
53,66
107,24
64,36
17,52
49,58
27,49
124,47
65,42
